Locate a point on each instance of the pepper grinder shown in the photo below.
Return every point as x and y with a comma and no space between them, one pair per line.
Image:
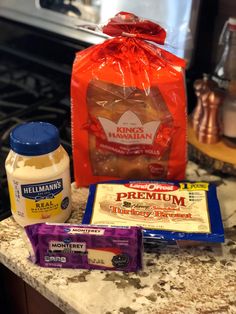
197,113
209,126
200,86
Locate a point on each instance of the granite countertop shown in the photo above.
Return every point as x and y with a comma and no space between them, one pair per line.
196,280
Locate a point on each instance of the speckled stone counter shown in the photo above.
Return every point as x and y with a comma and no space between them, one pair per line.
200,280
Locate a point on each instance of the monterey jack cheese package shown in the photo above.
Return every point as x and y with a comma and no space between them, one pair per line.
88,247
168,211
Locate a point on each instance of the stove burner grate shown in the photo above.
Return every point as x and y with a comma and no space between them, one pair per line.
29,93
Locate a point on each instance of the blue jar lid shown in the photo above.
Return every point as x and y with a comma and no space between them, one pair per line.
34,138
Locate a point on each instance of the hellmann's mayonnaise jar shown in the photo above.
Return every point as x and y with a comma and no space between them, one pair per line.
38,174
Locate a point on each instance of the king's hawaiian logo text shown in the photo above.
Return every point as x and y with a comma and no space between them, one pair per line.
129,129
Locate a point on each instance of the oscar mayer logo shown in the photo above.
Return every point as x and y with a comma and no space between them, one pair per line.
129,129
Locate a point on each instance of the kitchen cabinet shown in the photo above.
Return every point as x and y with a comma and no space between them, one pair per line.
17,297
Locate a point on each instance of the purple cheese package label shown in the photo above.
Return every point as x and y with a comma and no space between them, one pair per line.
86,247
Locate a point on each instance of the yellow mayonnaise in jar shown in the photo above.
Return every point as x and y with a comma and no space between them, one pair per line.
38,173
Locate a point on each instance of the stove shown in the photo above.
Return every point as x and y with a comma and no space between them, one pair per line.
35,69
38,42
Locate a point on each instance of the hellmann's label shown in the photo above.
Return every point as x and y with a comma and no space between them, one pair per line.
43,199
40,200
43,190
162,206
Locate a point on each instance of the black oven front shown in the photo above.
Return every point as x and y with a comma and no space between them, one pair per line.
35,69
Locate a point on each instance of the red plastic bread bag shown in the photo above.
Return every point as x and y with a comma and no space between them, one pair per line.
128,106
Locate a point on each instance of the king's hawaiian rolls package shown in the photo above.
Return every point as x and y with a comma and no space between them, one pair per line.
170,212
86,247
128,106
